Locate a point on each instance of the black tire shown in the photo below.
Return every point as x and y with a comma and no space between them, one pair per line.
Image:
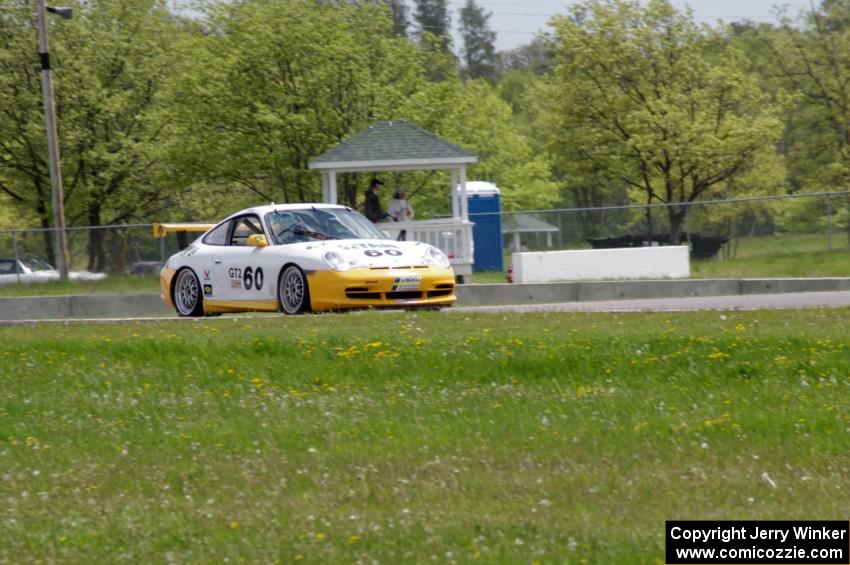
187,295
293,292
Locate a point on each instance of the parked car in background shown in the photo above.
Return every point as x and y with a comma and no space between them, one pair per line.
145,268
30,269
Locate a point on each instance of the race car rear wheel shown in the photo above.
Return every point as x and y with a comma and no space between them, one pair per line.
293,292
187,294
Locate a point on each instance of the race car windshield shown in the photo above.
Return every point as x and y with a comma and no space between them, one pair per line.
310,224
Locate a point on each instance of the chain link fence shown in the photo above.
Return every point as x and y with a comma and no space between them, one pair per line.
714,230
124,249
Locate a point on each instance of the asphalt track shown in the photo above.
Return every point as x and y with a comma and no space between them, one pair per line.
747,302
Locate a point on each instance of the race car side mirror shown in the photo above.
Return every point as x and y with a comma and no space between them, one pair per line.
257,240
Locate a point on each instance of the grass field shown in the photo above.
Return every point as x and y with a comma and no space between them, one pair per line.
795,255
402,437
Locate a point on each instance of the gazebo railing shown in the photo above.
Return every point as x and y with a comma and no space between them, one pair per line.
452,236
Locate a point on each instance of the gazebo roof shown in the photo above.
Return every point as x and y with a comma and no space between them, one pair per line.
523,223
392,145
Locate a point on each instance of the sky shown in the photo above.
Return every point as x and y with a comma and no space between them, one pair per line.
517,21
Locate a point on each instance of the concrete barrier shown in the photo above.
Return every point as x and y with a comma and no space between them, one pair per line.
596,264
498,294
81,306
613,290
769,286
109,305
495,294
35,308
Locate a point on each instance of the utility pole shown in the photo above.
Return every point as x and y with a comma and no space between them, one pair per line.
57,193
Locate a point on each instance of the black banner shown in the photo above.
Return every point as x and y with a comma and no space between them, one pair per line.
697,542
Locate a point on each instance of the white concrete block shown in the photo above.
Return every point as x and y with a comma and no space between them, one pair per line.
600,264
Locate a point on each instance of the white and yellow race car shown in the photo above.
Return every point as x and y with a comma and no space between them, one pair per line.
297,258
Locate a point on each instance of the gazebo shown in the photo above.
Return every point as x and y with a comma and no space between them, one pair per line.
398,145
518,224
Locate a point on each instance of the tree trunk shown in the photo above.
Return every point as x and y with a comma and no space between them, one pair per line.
48,235
97,257
119,252
848,221
591,222
299,185
677,215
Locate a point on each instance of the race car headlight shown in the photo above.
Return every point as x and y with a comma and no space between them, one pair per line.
337,262
434,256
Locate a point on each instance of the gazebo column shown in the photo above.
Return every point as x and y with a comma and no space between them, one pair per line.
464,203
456,213
332,188
326,196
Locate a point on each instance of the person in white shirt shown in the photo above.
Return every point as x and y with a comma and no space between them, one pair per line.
400,210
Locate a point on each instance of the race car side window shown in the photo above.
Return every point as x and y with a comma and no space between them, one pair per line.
244,228
218,236
7,266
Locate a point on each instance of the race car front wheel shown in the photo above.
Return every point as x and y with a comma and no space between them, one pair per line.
293,292
187,294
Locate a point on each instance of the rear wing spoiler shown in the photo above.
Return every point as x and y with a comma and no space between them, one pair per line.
162,230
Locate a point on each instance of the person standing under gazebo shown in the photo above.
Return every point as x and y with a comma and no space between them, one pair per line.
400,210
372,206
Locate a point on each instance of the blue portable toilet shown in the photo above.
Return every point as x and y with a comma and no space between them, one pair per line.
485,214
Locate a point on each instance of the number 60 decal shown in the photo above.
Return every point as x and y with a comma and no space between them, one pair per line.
253,278
376,253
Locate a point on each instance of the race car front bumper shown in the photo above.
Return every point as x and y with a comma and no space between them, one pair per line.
382,288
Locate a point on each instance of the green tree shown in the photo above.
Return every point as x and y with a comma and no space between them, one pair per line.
274,84
513,87
24,174
472,115
432,16
811,58
118,66
482,121
645,96
401,21
8,217
479,51
113,60
535,57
